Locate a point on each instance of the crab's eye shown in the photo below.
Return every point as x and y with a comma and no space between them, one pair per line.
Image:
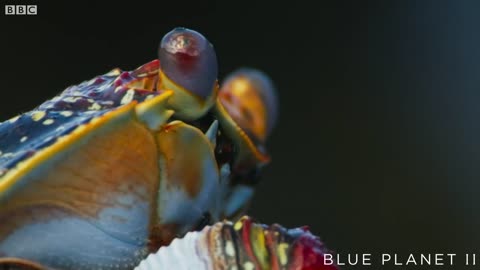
250,99
189,66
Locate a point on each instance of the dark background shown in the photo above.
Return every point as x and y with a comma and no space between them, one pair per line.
378,143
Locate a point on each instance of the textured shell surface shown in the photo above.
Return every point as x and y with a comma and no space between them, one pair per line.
25,134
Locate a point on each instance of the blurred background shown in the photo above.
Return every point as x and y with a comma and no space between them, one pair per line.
378,143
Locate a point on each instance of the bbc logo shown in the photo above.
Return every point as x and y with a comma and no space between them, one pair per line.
20,10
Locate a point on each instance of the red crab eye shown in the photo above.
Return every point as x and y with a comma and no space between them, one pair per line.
189,60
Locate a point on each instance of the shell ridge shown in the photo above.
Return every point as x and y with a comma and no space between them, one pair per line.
22,168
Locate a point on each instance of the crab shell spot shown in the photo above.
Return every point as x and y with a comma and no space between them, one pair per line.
100,181
146,81
71,99
66,113
14,119
128,97
190,178
48,122
113,73
95,106
38,115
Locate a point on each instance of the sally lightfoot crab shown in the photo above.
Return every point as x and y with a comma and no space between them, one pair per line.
111,169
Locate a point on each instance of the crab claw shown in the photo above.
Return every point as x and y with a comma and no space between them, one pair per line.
188,66
190,180
249,97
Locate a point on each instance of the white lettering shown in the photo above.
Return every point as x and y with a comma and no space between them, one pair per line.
327,259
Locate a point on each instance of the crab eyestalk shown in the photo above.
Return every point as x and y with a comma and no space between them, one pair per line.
243,245
188,66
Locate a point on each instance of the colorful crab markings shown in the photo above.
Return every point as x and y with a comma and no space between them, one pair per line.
113,168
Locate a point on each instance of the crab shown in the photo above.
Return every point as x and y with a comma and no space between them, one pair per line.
115,167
